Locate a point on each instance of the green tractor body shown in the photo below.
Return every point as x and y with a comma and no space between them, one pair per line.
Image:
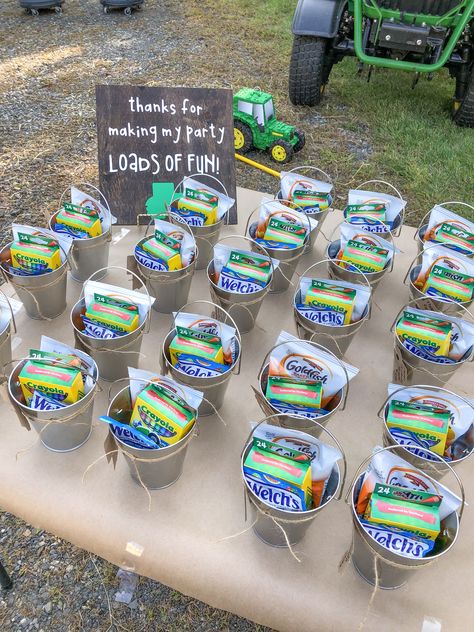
256,127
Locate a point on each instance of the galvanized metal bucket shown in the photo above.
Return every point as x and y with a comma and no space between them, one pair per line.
386,569
206,236
313,428
398,221
288,258
6,335
43,295
336,339
154,469
171,288
244,307
61,430
214,388
319,216
278,527
409,369
338,271
423,225
435,467
424,301
88,255
114,355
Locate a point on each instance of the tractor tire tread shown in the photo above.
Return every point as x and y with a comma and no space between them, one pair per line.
248,138
464,116
307,69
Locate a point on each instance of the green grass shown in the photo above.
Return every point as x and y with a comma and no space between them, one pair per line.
414,143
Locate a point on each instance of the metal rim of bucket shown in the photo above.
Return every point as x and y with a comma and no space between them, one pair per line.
400,219
382,415
279,194
351,501
309,513
347,330
234,367
468,357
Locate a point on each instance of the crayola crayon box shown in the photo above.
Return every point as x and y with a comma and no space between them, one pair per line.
330,297
164,249
35,254
366,257
284,389
286,232
422,520
78,221
250,265
113,314
62,358
429,334
449,283
430,424
198,343
162,414
61,383
199,205
281,482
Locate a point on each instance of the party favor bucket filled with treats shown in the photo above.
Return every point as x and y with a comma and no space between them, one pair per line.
284,233
429,346
203,352
152,421
403,519
204,209
89,223
302,382
331,311
313,196
289,478
446,228
7,327
166,262
376,212
358,251
239,279
53,390
36,264
443,281
427,419
109,322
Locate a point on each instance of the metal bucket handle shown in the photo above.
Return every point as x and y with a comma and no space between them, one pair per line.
317,346
200,175
397,447
261,249
425,386
148,318
338,445
11,310
439,204
317,170
299,210
399,195
226,313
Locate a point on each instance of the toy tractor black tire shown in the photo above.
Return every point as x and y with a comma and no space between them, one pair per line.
301,140
309,69
280,151
463,115
243,139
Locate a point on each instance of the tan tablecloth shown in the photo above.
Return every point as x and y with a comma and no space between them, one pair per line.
180,536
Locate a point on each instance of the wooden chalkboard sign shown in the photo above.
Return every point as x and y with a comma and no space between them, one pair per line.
150,138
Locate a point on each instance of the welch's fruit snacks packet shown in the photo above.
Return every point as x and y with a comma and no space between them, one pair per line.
332,303
308,194
450,230
393,207
399,541
299,360
445,274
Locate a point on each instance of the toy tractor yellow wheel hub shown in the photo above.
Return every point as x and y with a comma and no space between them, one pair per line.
239,139
279,153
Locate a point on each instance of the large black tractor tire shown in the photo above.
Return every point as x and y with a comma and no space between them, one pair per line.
243,139
309,69
463,114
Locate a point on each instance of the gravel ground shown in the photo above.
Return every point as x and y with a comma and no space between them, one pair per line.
49,67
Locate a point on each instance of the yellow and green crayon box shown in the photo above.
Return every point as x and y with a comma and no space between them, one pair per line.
165,249
445,282
197,343
62,383
35,253
81,219
429,424
113,313
332,298
366,257
432,335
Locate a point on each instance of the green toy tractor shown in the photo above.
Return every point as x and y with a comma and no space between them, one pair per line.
421,36
255,127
